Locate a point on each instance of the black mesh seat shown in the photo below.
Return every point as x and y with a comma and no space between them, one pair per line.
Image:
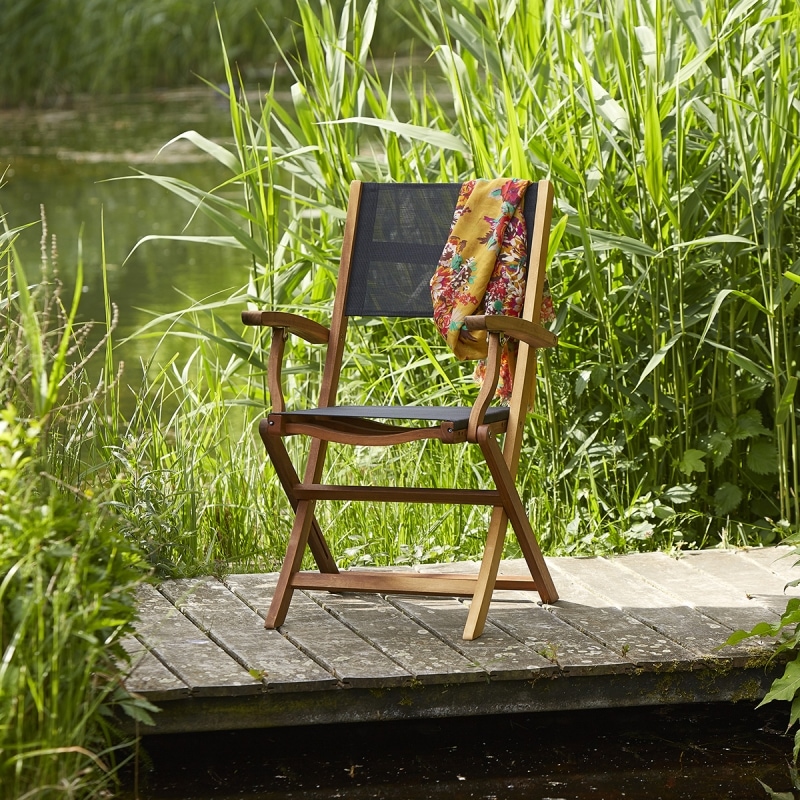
457,416
393,239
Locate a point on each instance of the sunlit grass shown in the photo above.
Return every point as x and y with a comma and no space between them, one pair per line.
667,418
67,573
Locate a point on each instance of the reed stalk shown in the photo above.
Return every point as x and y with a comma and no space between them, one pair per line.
668,415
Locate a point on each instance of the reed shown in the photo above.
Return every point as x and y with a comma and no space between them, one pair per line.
67,574
666,419
668,416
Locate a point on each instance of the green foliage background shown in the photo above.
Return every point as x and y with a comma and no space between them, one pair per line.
67,573
669,414
51,49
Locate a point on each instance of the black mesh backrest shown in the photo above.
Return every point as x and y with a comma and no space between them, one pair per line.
402,230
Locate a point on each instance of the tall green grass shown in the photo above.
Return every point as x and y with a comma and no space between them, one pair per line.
66,572
668,416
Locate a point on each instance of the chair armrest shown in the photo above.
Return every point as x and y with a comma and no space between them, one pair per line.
306,329
280,321
529,332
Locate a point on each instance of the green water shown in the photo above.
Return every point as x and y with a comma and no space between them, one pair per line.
67,161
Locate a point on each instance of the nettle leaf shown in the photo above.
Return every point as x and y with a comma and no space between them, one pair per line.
640,530
745,426
718,446
682,493
663,512
793,716
599,373
785,687
762,457
727,497
692,461
773,795
760,629
792,614
795,711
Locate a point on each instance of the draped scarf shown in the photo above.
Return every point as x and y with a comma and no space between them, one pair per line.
483,269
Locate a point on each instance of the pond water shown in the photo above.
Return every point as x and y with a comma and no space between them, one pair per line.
698,752
67,160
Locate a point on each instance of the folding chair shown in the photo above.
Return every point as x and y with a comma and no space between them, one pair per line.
394,236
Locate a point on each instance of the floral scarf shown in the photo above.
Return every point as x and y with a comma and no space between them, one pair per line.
483,269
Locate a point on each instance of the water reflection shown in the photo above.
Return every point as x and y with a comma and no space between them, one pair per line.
699,752
67,160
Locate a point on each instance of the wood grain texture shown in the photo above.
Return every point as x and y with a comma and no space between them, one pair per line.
643,628
187,650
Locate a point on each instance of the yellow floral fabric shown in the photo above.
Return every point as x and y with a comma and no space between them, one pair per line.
483,269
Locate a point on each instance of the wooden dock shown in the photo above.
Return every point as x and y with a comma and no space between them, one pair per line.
643,629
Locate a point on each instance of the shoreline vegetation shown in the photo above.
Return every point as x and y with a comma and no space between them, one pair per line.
667,418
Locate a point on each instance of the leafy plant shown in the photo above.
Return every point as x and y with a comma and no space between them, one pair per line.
67,574
787,632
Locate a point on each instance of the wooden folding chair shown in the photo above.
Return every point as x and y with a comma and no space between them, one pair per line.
393,239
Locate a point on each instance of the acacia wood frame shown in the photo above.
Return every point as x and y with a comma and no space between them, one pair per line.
502,463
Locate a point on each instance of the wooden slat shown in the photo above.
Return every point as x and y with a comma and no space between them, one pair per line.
240,632
734,567
782,560
402,639
401,582
307,329
394,494
678,621
532,333
344,434
501,655
147,675
193,657
540,630
348,656
574,652
616,630
714,598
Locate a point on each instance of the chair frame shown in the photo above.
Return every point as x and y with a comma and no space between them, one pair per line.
502,462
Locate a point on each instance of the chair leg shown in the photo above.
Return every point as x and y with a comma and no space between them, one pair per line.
516,514
304,518
487,575
276,450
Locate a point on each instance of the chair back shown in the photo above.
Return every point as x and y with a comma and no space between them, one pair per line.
401,231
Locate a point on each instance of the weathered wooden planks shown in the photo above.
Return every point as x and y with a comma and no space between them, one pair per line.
671,620
716,598
345,654
187,651
644,628
400,638
239,631
740,568
148,675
